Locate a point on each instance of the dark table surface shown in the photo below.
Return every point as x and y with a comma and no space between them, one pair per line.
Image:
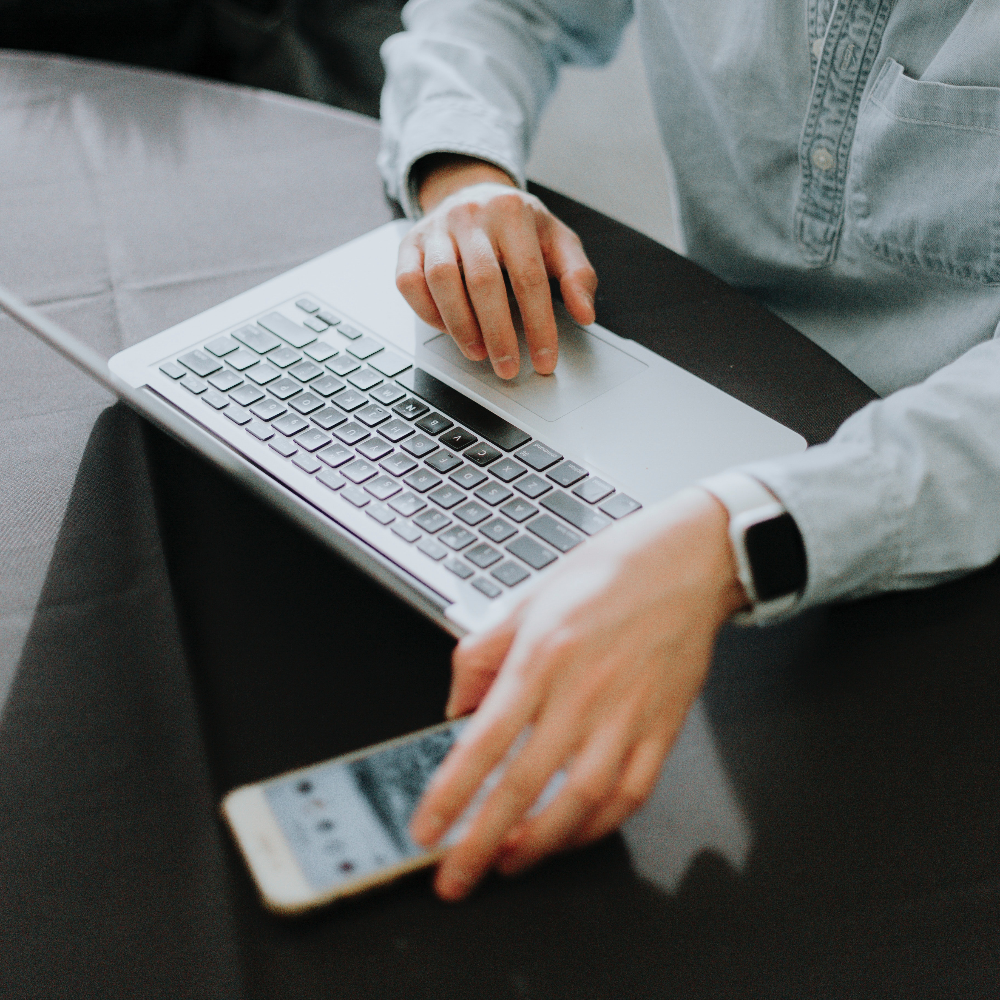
827,825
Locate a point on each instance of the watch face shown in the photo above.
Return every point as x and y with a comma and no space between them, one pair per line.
777,557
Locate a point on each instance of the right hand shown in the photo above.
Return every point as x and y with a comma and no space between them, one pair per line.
451,266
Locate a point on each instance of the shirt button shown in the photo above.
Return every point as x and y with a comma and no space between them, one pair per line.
822,158
817,48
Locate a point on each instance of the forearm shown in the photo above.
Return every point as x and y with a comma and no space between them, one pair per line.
907,493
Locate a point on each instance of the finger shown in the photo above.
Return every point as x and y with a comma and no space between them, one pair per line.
521,254
412,284
592,780
444,279
488,294
567,261
475,663
482,745
526,776
636,784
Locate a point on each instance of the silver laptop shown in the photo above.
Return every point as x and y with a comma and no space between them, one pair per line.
322,392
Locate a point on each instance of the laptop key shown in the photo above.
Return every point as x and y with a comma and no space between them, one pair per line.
535,555
434,423
374,448
306,403
200,363
262,432
532,486
510,573
307,305
443,461
359,470
291,333
350,400
457,537
419,445
268,409
383,487
336,455
312,440
487,587
246,395
305,371
238,415
283,447
372,414
497,530
172,370
406,531
329,418
539,456
348,331
582,517
387,394
193,384
398,464
431,520
356,496
396,429
468,477
410,408
284,387
316,324
331,480
215,399
433,549
472,513
327,385
364,348
593,489
284,357
221,346
380,513
365,379
493,493
306,462
508,470
619,506
390,364
483,555
242,359
551,531
352,433
447,497
458,439
256,339
289,424
343,364
481,454
225,380
408,504
262,373
458,568
422,480
320,351
519,510
567,473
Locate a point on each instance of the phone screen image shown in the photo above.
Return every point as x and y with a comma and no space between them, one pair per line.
346,820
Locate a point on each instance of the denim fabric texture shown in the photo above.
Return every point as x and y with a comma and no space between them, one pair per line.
840,159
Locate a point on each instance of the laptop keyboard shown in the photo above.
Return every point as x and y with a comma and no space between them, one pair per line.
462,485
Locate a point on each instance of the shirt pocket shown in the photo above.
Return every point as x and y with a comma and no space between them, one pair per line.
924,178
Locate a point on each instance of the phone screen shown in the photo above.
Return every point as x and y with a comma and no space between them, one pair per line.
347,820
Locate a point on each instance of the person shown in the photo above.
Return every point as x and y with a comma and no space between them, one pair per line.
840,160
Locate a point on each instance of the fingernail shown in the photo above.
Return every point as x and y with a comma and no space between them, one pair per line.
475,352
454,884
507,366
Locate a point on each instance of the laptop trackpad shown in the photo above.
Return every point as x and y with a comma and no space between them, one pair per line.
587,368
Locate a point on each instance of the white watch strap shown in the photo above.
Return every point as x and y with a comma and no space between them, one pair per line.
748,502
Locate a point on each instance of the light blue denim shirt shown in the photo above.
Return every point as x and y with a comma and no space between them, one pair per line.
840,159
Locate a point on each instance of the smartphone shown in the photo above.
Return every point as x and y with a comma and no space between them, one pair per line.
340,827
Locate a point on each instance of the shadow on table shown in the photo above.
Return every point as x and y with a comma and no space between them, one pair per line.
858,748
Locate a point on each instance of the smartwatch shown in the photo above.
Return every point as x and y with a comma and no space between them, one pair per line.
767,545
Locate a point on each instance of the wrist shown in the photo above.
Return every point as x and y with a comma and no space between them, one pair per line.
439,175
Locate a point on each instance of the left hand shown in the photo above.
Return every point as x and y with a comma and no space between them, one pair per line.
603,660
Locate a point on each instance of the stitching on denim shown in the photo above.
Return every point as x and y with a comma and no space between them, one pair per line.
934,121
